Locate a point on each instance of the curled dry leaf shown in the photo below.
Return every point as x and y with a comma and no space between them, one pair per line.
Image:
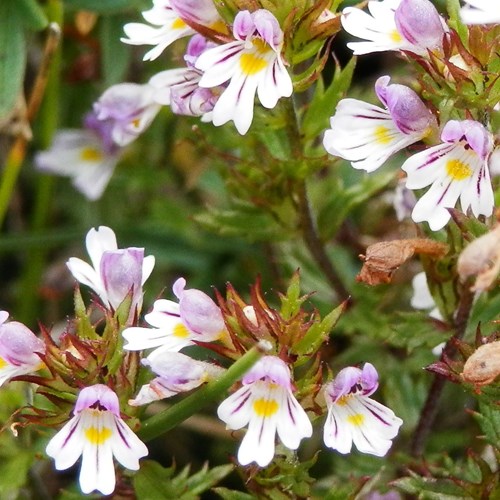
481,258
383,259
483,366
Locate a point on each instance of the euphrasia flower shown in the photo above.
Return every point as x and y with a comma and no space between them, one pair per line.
19,349
353,417
368,135
96,433
167,17
128,108
179,88
252,64
458,168
480,12
176,373
176,325
266,404
88,156
115,273
412,25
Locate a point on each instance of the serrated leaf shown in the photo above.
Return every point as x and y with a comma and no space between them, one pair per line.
344,201
324,101
12,55
488,419
155,481
227,494
426,488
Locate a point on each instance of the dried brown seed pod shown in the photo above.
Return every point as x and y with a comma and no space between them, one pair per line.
483,366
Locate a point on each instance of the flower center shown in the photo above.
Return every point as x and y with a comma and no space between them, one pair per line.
265,407
396,36
356,420
3,363
252,63
181,331
91,154
97,436
382,135
178,24
458,170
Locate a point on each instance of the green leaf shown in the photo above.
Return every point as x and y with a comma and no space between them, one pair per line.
115,54
488,419
227,494
32,15
455,22
324,101
318,332
155,481
343,201
12,55
103,6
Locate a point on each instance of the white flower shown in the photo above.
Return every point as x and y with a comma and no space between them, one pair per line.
368,135
412,25
128,109
266,404
20,349
458,168
252,64
96,433
176,373
84,157
353,417
480,12
168,18
176,325
115,273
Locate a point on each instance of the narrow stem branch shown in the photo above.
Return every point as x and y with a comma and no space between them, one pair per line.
431,406
315,245
176,414
306,219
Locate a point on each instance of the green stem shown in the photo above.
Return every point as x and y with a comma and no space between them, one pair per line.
430,410
173,416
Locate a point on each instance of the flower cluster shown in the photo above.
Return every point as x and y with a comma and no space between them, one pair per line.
366,135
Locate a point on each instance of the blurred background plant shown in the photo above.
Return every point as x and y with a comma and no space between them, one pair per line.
217,207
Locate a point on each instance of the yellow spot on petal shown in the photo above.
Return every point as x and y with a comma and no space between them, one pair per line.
3,363
251,64
458,170
356,420
181,331
178,24
396,37
136,122
98,436
265,407
91,154
382,135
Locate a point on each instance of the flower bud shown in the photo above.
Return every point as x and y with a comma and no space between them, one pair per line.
419,22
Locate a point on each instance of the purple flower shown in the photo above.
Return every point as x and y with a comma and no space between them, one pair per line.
367,135
267,405
457,168
96,433
129,108
353,417
196,317
19,349
115,273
